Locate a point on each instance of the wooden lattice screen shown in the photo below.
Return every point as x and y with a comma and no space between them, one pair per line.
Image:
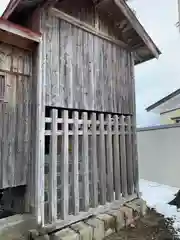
89,161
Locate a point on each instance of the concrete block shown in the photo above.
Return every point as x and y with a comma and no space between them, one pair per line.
119,219
98,228
135,207
142,206
128,213
65,234
84,230
109,223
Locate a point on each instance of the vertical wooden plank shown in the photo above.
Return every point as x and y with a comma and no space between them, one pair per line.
65,166
4,145
30,195
61,64
75,164
129,156
117,181
25,130
94,162
102,161
85,163
29,198
110,187
123,157
10,166
53,169
19,127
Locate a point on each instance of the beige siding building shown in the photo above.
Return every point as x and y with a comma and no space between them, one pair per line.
168,108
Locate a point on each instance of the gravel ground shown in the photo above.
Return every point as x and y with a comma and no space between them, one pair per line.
152,226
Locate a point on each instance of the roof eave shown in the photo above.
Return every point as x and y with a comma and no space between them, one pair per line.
18,36
10,8
163,100
155,52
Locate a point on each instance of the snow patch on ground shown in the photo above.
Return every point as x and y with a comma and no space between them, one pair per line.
158,196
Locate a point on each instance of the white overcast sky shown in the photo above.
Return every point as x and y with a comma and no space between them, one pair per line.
156,78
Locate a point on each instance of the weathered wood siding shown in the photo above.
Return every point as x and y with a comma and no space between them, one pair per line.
15,111
84,71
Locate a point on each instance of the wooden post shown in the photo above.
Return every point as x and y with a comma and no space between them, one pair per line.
65,167
75,164
94,162
40,131
134,142
102,162
85,163
117,181
110,187
129,157
53,169
123,158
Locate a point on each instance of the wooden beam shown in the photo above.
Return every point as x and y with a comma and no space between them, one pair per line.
20,31
102,162
86,27
94,162
129,154
85,163
110,185
123,158
17,41
117,181
76,164
65,167
134,142
53,169
40,130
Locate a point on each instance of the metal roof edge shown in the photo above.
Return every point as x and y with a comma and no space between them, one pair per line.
163,100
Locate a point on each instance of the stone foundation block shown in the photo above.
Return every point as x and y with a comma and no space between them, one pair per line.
128,213
45,237
109,223
142,206
84,230
119,219
65,234
135,208
97,227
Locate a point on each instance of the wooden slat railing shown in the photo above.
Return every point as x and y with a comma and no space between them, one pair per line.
89,159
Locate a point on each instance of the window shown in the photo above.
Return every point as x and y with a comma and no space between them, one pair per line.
176,119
